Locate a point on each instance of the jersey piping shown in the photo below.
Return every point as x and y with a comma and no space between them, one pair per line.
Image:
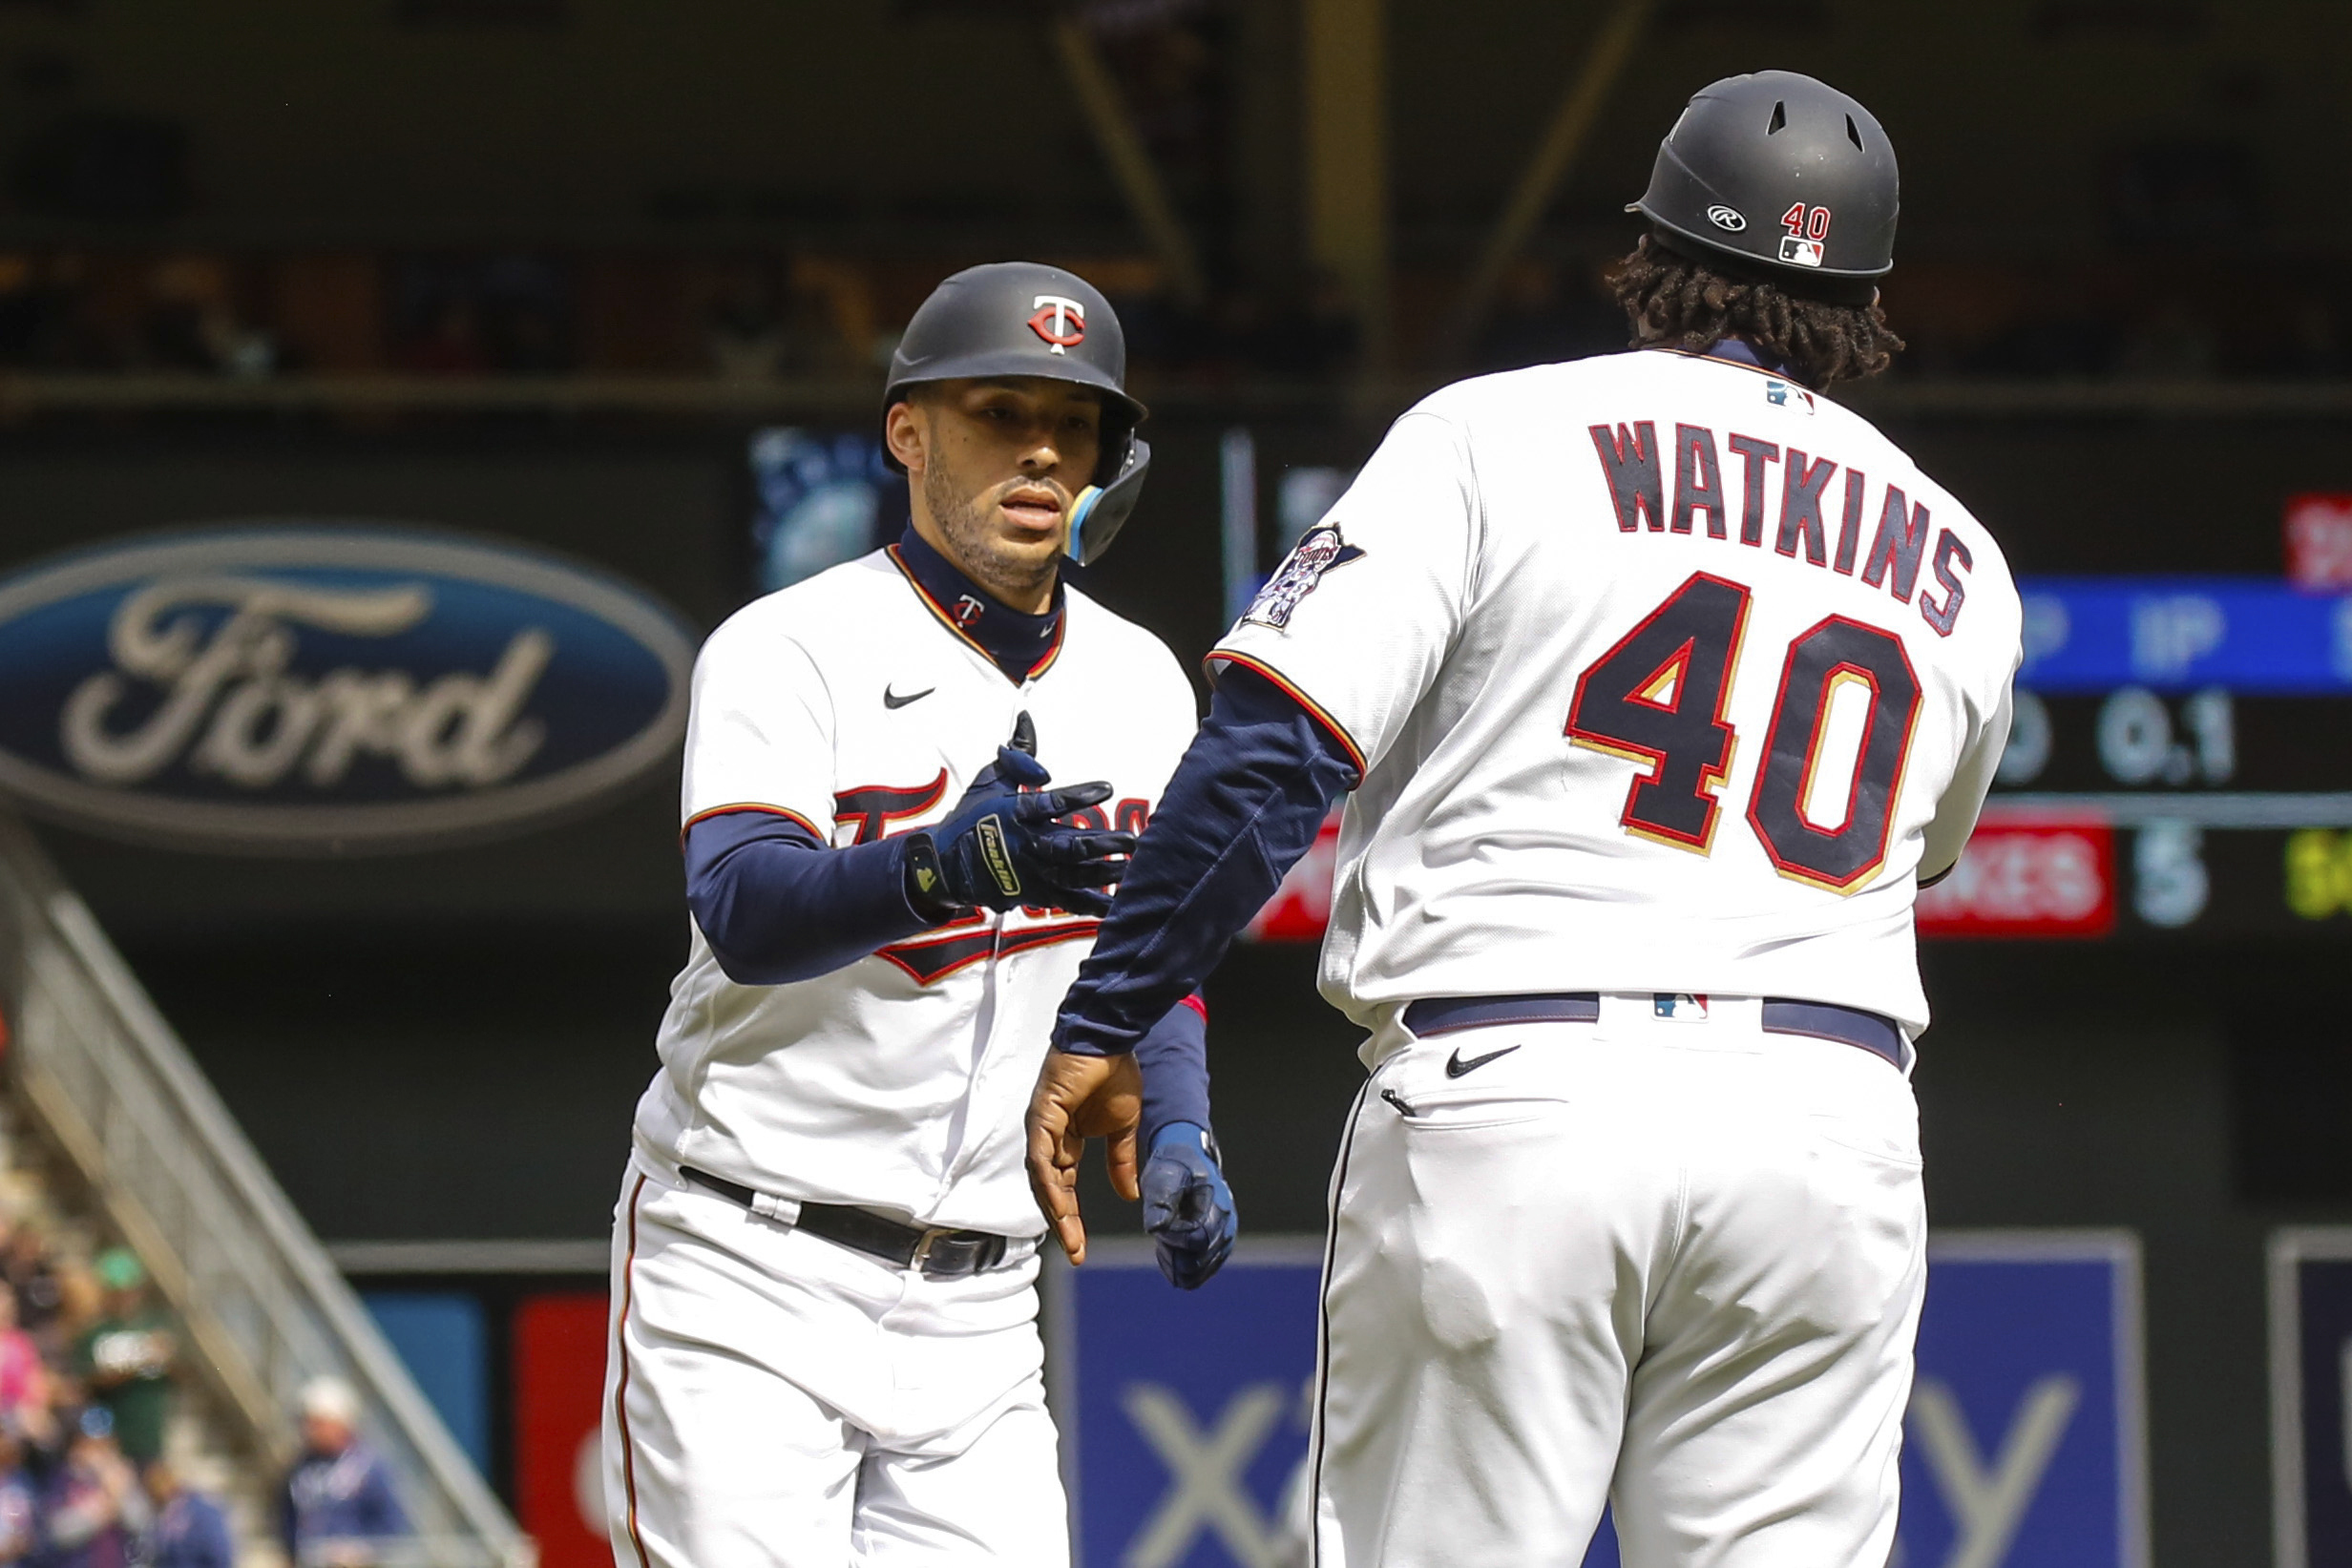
1291,689
785,812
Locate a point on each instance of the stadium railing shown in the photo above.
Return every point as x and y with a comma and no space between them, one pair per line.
105,1077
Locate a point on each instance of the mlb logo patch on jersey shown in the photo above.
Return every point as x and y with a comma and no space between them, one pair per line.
1781,394
1319,549
1680,1006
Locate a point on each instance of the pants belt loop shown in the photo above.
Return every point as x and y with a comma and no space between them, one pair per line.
783,1211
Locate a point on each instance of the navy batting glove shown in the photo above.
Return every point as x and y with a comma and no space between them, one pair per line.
1016,767
1187,1207
1003,847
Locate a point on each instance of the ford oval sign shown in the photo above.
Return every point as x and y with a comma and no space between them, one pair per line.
323,689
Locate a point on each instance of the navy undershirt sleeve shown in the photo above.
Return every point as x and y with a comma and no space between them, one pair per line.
1173,1055
1244,805
776,904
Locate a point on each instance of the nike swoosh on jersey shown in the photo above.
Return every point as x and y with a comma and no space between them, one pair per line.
891,700
1456,1067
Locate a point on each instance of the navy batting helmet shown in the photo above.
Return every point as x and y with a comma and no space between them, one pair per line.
1025,319
1781,176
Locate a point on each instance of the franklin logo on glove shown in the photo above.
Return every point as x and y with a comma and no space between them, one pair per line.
999,858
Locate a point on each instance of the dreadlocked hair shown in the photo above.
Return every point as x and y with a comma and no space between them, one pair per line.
1672,301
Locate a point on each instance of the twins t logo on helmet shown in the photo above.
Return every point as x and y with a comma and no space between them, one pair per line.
1061,322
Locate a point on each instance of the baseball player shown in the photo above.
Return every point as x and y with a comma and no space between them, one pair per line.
825,1347
1661,683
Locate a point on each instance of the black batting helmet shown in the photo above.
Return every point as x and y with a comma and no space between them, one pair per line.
1781,176
1025,319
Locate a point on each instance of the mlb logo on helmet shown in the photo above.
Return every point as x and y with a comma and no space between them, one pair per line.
1808,228
1061,322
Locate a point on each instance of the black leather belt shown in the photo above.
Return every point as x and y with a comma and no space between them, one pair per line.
940,1253
1782,1016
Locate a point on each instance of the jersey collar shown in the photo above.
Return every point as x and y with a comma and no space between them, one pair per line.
1023,647
1740,351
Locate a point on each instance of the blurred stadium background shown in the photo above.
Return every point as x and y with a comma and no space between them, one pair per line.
596,294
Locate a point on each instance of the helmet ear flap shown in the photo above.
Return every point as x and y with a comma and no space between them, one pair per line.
1102,509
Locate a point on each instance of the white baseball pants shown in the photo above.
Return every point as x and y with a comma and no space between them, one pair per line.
1671,1264
775,1400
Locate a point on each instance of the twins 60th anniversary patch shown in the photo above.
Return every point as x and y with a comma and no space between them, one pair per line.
1318,549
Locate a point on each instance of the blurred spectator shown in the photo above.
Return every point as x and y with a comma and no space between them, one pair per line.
26,311
190,1530
94,1509
40,1300
526,315
450,342
24,1381
125,1360
747,334
81,1301
462,317
192,324
339,1507
833,320
2175,341
436,323
2303,336
20,1499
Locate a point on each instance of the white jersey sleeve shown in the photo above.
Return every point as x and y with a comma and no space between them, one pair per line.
761,736
1359,621
1956,812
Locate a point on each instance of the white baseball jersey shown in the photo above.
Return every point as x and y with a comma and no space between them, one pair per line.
853,704
1665,674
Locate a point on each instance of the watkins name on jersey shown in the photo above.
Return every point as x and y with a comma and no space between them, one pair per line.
1791,504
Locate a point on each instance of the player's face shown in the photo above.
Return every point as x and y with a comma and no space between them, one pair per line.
995,465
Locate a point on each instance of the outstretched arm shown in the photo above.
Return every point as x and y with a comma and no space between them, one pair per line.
776,904
1244,805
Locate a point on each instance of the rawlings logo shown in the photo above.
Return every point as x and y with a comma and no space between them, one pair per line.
1061,322
1319,549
